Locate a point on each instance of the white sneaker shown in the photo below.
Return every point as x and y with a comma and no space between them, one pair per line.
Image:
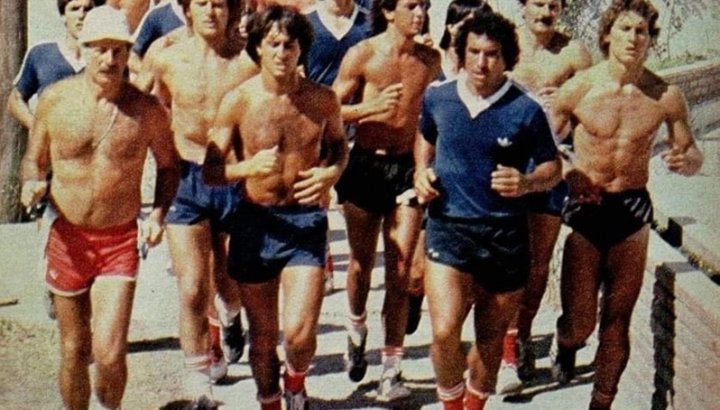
508,380
218,369
296,401
199,390
392,387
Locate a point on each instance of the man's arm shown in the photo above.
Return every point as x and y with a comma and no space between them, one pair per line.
683,156
315,183
348,84
424,178
221,136
36,161
168,172
19,109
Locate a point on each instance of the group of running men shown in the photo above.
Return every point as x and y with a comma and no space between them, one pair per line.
246,110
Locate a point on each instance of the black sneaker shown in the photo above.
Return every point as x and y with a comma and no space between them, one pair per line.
233,340
355,362
526,359
414,313
562,363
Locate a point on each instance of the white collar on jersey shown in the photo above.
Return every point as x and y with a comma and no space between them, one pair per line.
476,104
338,33
77,63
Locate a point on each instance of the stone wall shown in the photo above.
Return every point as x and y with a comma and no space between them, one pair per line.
700,82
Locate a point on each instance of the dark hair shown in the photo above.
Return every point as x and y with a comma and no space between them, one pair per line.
61,4
378,22
562,2
643,8
295,24
495,27
457,10
234,12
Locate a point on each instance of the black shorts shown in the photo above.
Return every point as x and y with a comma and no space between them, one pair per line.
268,239
374,182
615,218
495,252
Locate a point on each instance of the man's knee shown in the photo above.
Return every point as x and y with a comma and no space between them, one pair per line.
77,351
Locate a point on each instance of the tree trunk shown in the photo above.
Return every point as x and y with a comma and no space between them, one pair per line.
13,137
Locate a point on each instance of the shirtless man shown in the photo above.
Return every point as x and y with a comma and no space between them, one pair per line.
380,171
192,75
480,131
616,107
94,130
547,59
288,134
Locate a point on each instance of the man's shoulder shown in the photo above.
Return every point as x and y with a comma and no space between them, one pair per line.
427,55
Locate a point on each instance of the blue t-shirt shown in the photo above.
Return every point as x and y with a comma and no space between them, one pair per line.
511,131
327,51
44,64
160,21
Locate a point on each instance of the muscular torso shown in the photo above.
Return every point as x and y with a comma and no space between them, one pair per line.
296,124
196,84
97,156
545,67
616,129
394,131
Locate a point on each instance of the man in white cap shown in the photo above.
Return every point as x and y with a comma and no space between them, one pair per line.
94,130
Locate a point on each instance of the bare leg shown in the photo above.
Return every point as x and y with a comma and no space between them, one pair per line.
625,265
493,313
449,295
73,318
261,306
362,229
190,251
112,300
579,286
302,299
400,231
544,230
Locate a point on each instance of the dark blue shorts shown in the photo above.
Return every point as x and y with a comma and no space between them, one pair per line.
494,252
548,202
196,201
268,239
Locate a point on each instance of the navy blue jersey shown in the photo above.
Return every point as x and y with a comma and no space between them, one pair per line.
160,21
327,52
44,64
472,137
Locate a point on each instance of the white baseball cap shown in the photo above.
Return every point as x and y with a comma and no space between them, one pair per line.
105,23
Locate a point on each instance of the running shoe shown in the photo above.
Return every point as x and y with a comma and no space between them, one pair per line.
526,359
218,367
202,403
562,363
508,380
392,387
296,401
355,361
232,341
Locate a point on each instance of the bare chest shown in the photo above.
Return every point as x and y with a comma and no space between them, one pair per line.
287,125
625,114
194,85
382,71
542,69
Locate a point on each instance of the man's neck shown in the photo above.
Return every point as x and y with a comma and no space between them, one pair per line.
209,45
72,45
625,73
282,85
107,92
533,41
397,41
337,8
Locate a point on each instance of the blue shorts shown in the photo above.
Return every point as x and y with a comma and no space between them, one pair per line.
548,202
272,238
495,252
196,201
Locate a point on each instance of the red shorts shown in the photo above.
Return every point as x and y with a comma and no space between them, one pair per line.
76,256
